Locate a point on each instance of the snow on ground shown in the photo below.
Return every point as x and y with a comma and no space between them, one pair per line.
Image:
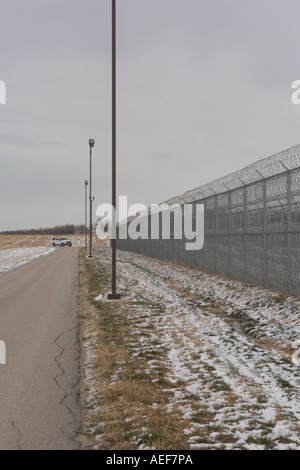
14,257
227,347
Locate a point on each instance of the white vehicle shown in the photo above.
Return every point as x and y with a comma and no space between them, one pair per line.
61,241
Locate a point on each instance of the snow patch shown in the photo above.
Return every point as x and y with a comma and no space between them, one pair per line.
12,258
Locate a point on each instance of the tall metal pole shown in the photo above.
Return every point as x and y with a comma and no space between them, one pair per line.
91,144
85,213
91,211
113,294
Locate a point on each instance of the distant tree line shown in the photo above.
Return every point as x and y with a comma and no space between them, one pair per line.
67,229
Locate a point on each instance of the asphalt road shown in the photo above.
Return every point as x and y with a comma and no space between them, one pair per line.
39,384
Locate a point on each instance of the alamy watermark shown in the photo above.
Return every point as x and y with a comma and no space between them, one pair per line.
296,94
166,222
2,92
2,353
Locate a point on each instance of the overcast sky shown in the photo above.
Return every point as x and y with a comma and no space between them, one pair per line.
203,89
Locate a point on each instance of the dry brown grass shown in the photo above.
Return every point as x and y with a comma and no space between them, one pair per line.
21,241
129,404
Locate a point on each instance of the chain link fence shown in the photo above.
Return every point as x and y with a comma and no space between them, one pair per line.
252,226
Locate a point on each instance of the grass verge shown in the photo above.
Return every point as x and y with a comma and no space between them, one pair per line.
125,396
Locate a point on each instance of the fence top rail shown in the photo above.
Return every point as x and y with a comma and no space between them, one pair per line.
275,165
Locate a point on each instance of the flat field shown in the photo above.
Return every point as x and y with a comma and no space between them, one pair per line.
22,241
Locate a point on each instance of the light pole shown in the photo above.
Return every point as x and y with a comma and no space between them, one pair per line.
85,211
113,295
91,144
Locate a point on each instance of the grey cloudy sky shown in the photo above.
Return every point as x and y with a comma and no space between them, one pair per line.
204,89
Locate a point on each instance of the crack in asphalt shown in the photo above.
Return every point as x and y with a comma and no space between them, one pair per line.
59,376
69,388
57,360
15,428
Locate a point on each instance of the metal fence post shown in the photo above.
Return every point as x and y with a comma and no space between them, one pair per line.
216,234
229,234
265,237
289,227
245,236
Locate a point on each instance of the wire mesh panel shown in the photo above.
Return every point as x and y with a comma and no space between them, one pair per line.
169,250
237,257
210,254
295,265
277,260
177,251
252,226
222,255
161,249
255,251
195,259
